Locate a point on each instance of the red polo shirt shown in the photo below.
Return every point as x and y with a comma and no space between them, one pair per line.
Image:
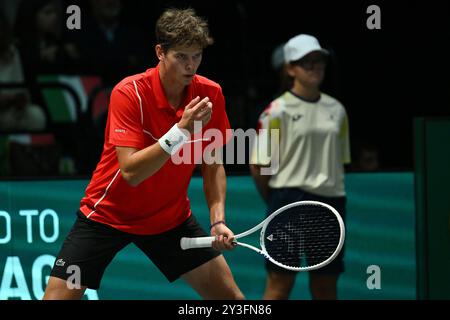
138,115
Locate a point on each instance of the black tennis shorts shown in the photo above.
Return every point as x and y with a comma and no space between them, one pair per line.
280,197
91,246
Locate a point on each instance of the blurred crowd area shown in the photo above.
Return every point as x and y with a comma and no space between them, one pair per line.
55,82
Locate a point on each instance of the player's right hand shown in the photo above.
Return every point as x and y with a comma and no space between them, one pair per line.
224,238
196,115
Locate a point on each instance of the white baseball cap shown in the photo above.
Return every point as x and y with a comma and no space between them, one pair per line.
299,46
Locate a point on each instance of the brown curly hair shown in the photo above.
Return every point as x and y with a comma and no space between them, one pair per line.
181,27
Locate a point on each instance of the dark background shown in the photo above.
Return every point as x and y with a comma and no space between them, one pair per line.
384,77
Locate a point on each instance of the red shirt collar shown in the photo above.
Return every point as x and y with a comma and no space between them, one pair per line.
160,95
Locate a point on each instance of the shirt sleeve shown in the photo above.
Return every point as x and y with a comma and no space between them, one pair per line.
125,123
267,139
345,140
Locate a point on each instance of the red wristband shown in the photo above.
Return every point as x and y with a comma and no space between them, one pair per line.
218,222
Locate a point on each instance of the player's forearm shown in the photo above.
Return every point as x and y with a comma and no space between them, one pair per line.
142,164
214,186
261,181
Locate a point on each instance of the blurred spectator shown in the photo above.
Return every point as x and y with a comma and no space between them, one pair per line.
307,156
17,113
39,31
367,157
108,45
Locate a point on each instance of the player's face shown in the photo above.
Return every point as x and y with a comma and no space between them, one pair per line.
310,70
182,63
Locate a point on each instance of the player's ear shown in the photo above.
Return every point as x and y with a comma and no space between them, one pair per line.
290,70
159,52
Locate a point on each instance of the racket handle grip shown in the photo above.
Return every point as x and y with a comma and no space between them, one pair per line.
199,242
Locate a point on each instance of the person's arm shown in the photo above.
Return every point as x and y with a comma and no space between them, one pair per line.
261,181
214,186
137,165
261,158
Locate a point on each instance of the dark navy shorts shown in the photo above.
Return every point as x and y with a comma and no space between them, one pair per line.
92,245
282,196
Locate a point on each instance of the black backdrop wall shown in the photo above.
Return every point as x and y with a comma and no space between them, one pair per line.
383,77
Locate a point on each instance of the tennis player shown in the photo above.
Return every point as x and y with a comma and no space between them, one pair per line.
138,194
313,148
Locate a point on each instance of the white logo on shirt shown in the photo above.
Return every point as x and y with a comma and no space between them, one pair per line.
120,130
60,263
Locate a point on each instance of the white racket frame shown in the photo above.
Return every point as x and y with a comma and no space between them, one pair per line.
205,242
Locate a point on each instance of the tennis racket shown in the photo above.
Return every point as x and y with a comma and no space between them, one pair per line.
300,236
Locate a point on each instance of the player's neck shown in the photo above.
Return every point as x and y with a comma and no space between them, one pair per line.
173,90
307,93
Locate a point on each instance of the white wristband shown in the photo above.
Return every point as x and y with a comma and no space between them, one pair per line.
173,140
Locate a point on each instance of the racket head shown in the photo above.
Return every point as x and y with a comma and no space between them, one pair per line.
303,231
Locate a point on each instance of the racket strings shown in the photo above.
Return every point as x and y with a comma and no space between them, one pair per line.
302,237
